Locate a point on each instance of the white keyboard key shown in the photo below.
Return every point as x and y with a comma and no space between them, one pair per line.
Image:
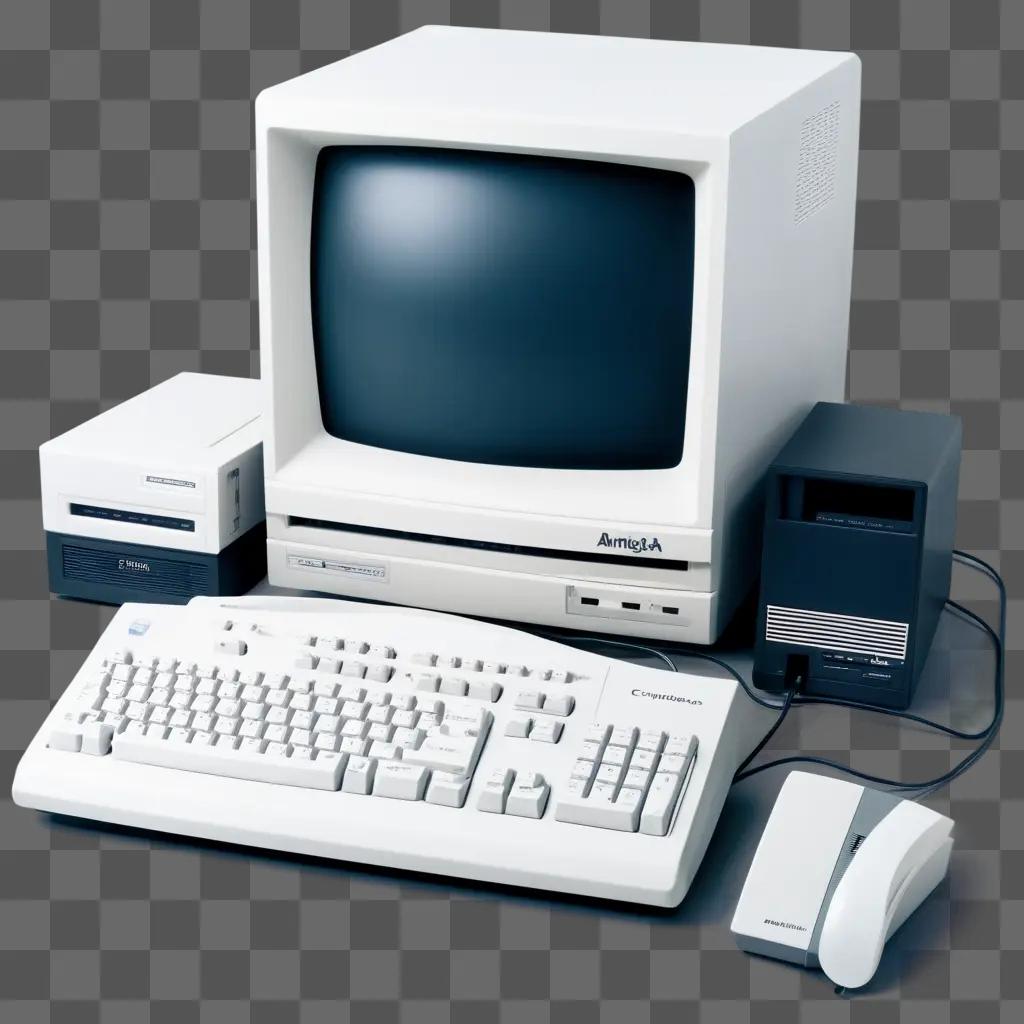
546,731
353,669
454,687
359,776
302,719
559,704
424,658
378,731
277,715
254,710
378,698
624,736
138,711
470,720
233,645
380,714
276,734
252,745
660,804
206,687
354,709
615,755
306,660
328,643
114,706
276,680
405,719
326,741
326,706
598,733
66,736
583,770
251,728
356,646
303,685
428,683
300,738
528,797
448,661
675,763
637,778
353,727
354,745
382,651
160,716
602,809
493,668
331,724
329,665
518,727
480,689
156,731
229,691
166,664
251,678
351,691
138,692
301,702
642,759
225,726
230,708
559,676
429,705
379,673
529,700
400,781
123,673
277,698
678,746
456,755
181,719
447,790
277,749
179,736
202,722
203,703
385,751
495,791
651,739
403,701
470,664
515,670
322,773
253,694
591,750
610,773
201,739
162,698
408,738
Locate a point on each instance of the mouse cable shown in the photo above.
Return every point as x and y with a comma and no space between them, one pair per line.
987,735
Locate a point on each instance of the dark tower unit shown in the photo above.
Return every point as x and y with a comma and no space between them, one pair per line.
859,529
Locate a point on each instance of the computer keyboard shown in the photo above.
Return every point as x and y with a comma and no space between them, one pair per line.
395,737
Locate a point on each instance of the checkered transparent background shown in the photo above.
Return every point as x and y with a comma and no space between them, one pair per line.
127,255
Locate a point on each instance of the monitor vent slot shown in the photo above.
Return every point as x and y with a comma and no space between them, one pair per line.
142,573
816,163
833,632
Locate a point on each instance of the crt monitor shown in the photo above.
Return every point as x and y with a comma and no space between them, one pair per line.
562,287
537,310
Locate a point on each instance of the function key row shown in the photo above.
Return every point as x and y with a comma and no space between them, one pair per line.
428,659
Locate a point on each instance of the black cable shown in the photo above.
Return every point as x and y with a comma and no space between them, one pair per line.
987,735
786,705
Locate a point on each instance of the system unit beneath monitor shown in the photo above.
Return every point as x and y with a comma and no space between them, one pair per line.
529,346
859,530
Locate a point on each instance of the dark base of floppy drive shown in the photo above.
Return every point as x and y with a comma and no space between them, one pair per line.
112,573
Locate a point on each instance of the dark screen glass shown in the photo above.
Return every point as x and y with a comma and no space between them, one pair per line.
499,308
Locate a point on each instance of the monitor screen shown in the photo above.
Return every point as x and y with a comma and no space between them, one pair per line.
501,308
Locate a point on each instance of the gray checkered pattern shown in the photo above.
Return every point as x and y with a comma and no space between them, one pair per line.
127,254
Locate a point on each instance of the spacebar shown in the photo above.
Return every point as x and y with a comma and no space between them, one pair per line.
319,774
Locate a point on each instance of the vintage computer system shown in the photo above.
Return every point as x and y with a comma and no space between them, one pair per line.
536,311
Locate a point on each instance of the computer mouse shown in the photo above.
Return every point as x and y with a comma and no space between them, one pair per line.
838,869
